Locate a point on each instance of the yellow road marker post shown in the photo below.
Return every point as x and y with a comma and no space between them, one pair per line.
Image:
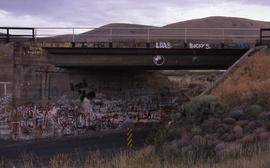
129,137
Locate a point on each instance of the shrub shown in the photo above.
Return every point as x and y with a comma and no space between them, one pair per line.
263,99
253,111
202,108
193,114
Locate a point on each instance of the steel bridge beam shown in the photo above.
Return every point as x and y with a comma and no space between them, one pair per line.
143,58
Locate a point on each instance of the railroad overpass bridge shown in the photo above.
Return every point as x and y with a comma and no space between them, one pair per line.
55,76
142,48
41,58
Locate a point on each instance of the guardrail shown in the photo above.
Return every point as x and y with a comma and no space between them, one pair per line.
79,34
8,35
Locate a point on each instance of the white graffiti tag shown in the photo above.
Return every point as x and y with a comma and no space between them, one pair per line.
163,45
199,45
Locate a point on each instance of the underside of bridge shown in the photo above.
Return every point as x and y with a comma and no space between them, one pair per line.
43,73
144,58
78,88
40,73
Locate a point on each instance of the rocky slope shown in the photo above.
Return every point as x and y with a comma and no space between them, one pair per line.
224,123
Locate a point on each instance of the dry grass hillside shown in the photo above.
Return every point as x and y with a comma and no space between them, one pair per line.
219,22
102,33
115,29
249,81
161,32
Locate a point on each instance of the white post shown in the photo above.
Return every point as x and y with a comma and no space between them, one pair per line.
223,35
35,34
185,35
148,35
73,35
111,31
5,89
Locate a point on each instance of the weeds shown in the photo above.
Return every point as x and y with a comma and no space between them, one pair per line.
250,156
61,161
202,108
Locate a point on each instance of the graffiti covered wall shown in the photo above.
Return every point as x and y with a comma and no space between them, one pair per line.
79,102
50,101
39,100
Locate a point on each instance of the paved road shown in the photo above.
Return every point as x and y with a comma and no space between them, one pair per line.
49,147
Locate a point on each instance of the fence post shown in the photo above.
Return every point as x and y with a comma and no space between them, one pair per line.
223,36
73,35
260,36
148,38
7,35
111,32
148,35
33,34
185,35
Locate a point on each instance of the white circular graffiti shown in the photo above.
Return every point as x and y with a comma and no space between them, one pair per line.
158,60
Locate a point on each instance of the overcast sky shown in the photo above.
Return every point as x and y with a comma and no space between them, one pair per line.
51,13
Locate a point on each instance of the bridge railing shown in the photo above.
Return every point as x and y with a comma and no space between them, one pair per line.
146,34
17,33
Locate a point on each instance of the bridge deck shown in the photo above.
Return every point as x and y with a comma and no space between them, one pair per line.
144,58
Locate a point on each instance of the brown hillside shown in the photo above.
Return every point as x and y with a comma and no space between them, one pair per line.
209,22
123,31
102,33
249,81
219,22
117,27
118,30
223,22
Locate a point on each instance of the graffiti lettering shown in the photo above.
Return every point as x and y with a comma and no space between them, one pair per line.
83,89
200,45
163,45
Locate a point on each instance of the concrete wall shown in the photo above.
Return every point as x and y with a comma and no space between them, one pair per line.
37,81
6,53
51,101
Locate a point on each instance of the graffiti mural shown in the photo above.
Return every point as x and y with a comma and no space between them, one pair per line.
72,117
83,90
67,117
137,99
93,105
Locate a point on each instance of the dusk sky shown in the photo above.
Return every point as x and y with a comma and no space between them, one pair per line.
51,13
